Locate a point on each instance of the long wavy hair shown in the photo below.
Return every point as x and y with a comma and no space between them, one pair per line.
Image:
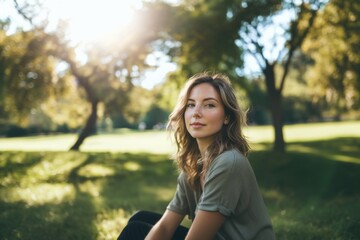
188,156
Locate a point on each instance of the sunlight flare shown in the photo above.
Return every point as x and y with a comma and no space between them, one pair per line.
93,20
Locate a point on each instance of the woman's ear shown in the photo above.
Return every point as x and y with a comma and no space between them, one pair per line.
226,121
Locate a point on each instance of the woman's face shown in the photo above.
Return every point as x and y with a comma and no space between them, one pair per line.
204,114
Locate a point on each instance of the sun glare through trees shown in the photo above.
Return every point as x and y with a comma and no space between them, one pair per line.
94,20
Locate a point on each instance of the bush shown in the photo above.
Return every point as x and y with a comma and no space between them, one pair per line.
155,117
15,131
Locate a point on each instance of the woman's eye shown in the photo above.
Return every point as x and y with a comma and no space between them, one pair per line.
210,105
190,105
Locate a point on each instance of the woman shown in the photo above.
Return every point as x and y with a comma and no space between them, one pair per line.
216,188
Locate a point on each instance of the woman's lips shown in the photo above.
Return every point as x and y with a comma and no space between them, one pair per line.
197,125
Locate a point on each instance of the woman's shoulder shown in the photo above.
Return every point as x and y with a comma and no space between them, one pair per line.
182,178
230,161
231,156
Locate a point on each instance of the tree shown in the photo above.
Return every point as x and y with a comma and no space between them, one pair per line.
25,74
109,68
334,43
214,35
203,38
108,72
303,18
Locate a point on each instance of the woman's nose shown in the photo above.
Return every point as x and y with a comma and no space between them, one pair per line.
197,112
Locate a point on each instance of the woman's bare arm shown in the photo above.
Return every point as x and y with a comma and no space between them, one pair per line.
205,225
166,226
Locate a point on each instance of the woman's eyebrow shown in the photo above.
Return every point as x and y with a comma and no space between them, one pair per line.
205,99
208,99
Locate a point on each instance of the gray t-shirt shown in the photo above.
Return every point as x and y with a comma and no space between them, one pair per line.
230,188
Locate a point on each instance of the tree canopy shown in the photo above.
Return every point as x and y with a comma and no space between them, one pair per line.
333,45
216,34
104,71
26,74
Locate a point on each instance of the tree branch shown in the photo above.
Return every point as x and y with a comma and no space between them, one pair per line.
296,40
21,11
258,53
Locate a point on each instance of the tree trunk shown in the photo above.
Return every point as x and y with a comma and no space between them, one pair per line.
277,121
90,127
276,110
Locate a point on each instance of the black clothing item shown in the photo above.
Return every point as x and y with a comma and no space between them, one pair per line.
140,224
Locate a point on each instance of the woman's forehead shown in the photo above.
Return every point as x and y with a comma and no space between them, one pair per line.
203,91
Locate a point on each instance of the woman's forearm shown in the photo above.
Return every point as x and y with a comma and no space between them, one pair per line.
158,232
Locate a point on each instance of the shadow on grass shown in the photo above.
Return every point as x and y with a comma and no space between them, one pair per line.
16,164
312,190
315,168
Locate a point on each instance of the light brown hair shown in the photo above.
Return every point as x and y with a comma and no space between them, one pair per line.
188,155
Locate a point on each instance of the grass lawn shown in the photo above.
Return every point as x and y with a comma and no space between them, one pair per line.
312,191
159,142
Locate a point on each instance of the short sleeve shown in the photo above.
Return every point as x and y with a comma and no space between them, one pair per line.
179,203
224,184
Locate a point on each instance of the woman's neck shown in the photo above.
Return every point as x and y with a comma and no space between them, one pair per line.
202,145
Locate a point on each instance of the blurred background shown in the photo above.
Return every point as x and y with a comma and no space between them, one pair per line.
101,77
76,66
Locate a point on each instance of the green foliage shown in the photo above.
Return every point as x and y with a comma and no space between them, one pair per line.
26,73
204,34
156,117
258,113
104,74
297,102
120,121
139,102
66,107
207,40
166,94
198,35
334,43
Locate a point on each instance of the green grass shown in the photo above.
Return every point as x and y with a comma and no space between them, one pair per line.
312,191
124,141
158,142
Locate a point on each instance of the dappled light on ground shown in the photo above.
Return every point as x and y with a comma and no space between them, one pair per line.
109,223
92,188
70,190
96,170
338,149
160,193
39,194
56,166
317,219
272,195
132,166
